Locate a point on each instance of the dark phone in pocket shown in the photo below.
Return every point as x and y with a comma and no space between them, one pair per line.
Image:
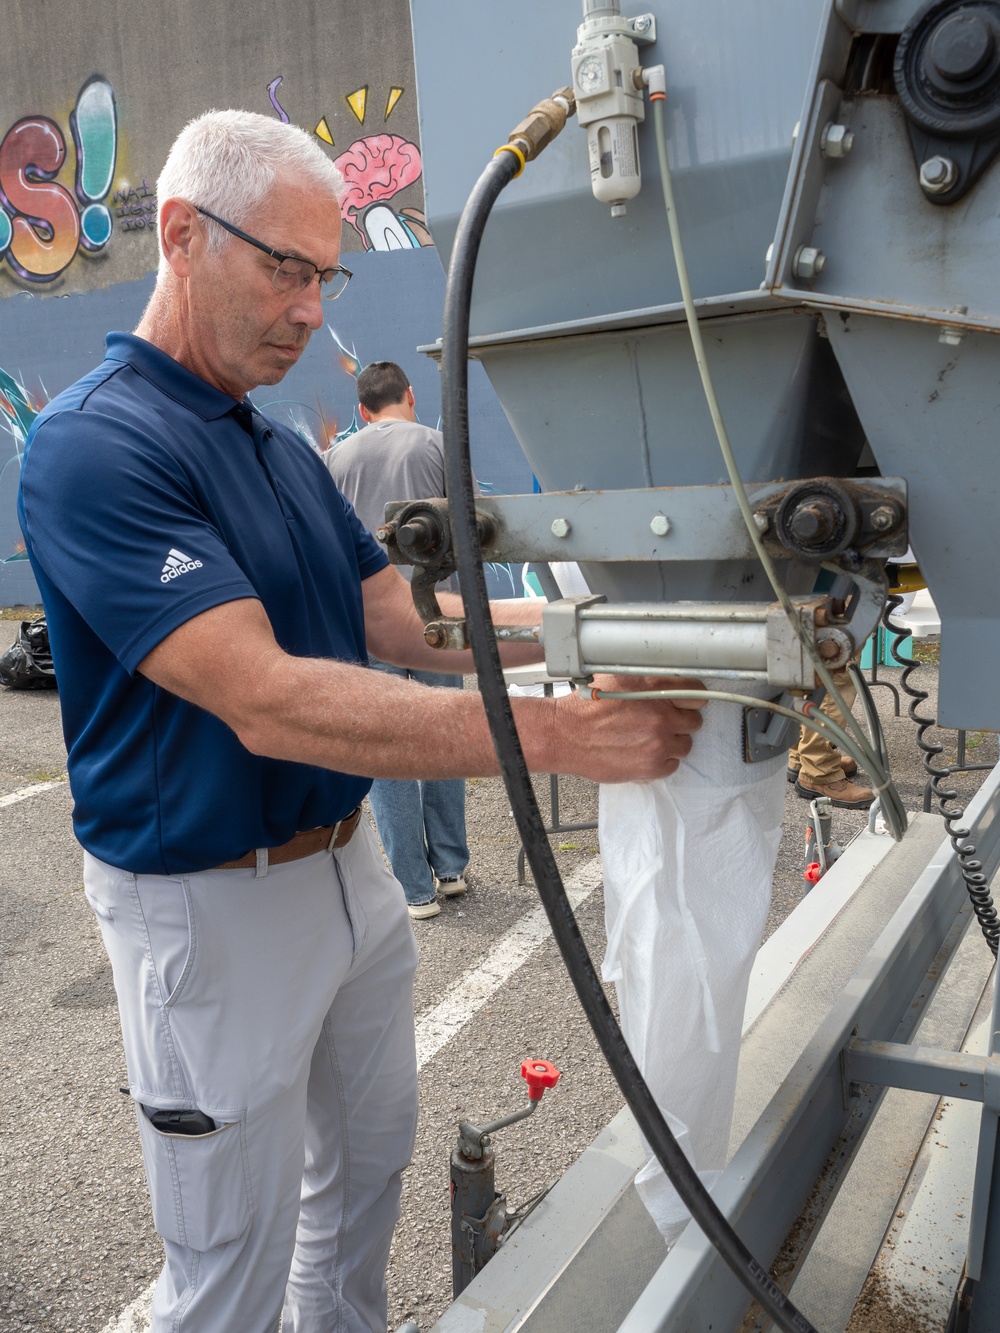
180,1122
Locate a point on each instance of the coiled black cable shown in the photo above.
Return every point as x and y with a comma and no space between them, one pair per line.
514,771
971,868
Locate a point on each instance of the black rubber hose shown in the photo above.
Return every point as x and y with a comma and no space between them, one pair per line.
514,771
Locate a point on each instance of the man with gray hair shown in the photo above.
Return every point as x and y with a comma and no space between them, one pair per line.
211,600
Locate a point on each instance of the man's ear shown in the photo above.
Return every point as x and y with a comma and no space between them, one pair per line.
364,413
182,237
411,402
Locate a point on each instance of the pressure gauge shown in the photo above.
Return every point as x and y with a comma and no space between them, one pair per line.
592,75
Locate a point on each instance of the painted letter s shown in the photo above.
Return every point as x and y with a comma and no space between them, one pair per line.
46,224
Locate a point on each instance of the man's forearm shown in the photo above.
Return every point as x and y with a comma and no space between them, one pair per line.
354,720
360,721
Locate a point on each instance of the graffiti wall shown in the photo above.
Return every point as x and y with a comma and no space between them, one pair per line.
89,109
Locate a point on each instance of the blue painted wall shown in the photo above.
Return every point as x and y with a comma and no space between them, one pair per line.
392,307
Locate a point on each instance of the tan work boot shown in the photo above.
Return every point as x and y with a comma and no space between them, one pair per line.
847,764
845,794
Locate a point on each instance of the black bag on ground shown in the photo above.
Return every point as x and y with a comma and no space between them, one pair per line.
27,663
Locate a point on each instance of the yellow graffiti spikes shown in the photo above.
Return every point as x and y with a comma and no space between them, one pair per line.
358,102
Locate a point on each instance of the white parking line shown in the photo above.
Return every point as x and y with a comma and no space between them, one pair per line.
135,1317
435,1027
467,996
35,789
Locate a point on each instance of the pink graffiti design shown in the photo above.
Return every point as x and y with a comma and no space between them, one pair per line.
376,169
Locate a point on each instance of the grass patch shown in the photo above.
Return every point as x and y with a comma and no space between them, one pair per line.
20,613
927,651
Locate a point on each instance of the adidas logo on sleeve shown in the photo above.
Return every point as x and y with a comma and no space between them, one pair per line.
177,564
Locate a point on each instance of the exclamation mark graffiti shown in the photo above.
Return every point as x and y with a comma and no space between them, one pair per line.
95,132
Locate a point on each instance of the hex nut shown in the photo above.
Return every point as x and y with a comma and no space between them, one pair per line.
834,647
808,262
937,175
560,527
883,518
836,140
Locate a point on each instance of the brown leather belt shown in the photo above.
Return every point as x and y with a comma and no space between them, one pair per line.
307,843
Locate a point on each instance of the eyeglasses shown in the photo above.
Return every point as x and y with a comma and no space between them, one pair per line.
292,274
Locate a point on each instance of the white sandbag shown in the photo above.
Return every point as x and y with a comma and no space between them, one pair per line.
688,862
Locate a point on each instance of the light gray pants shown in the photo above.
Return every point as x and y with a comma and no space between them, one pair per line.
281,1005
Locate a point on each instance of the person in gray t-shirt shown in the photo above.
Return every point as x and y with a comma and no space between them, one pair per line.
421,824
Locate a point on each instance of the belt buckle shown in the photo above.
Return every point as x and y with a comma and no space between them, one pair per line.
333,836
354,814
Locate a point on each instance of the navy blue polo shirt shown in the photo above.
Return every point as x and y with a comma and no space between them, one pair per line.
144,501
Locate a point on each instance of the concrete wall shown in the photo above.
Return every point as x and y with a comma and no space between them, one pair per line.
93,94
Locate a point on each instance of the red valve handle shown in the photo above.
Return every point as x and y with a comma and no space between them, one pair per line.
812,872
539,1075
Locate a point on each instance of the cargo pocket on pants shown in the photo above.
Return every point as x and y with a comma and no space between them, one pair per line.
197,1183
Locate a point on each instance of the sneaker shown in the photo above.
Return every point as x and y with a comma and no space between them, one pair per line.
421,911
450,886
848,765
844,794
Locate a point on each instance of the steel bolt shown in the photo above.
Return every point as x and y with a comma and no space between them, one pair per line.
952,334
643,23
435,636
660,525
761,521
883,518
834,646
560,527
813,522
808,262
835,141
937,175
420,535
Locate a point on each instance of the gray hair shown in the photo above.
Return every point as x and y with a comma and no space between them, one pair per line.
228,162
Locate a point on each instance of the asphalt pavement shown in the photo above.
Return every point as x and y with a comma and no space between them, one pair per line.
76,1243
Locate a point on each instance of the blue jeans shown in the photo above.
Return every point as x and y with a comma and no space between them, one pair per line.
421,824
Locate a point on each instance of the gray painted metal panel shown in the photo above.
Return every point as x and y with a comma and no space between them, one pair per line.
939,256
908,1129
701,522
551,251
923,1069
938,428
619,410
769,1179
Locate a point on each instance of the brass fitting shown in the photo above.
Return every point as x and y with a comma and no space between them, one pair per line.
542,123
